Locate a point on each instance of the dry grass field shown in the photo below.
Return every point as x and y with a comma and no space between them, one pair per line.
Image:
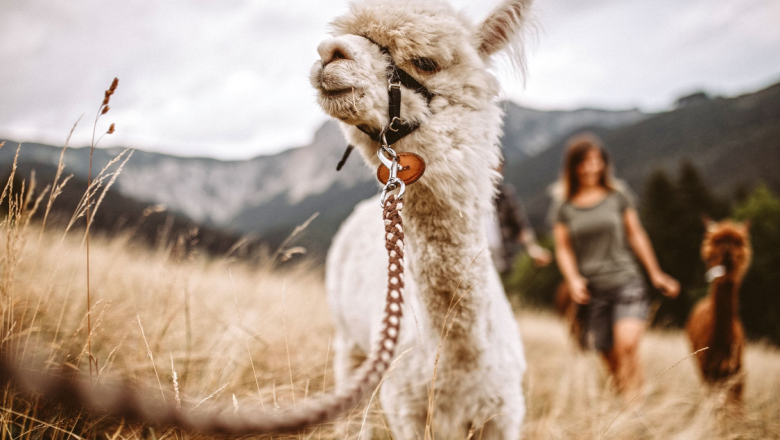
256,335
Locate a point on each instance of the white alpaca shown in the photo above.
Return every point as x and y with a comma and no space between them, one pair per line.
481,366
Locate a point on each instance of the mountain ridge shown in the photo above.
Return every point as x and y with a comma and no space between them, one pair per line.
231,195
733,141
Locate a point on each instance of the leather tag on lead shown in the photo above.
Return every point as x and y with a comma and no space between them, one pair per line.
412,167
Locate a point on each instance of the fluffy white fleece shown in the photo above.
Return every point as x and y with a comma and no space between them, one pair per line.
452,285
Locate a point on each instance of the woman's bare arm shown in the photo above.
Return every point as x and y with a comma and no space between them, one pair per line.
643,248
567,262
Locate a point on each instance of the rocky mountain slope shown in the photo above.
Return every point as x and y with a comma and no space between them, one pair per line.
269,195
733,141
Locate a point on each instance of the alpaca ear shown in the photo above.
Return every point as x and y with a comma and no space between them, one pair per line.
709,225
502,26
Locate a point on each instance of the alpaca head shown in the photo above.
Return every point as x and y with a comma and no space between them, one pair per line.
428,39
727,244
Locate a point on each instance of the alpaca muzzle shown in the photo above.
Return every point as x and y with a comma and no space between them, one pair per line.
715,272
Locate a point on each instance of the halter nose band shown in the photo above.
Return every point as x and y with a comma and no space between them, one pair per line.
401,76
396,127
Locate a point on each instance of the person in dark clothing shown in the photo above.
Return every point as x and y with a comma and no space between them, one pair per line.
510,230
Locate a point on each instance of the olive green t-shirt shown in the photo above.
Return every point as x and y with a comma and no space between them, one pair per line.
598,238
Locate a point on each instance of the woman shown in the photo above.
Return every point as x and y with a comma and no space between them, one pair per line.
597,237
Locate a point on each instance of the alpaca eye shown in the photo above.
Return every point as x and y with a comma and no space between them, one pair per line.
425,64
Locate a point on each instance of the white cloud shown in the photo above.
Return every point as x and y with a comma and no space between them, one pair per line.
646,53
230,79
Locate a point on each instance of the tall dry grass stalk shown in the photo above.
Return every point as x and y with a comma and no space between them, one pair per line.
102,110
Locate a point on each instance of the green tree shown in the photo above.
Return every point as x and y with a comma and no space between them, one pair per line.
760,293
661,210
672,214
695,202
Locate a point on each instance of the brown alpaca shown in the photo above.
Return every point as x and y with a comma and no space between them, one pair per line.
714,322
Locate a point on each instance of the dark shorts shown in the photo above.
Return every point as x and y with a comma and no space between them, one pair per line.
606,307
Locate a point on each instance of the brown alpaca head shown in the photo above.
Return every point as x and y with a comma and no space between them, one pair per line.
727,244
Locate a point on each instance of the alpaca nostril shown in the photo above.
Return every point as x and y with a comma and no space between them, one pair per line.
335,55
338,55
333,50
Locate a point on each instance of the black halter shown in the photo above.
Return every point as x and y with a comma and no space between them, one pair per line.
396,128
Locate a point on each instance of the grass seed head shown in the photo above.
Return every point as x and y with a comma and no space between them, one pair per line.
110,92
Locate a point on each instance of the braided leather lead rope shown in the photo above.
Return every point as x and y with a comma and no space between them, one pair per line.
125,402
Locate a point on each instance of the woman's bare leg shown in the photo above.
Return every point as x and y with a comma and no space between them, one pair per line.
629,376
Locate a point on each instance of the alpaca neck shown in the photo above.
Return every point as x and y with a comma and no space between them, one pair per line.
443,216
725,293
447,259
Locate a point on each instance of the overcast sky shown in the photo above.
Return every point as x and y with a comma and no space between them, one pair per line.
229,78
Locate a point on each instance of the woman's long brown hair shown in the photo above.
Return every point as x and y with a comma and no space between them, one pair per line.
576,149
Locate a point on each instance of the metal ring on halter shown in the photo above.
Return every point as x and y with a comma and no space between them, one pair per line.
393,121
393,184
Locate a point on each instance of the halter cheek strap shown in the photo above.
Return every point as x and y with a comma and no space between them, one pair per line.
396,128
